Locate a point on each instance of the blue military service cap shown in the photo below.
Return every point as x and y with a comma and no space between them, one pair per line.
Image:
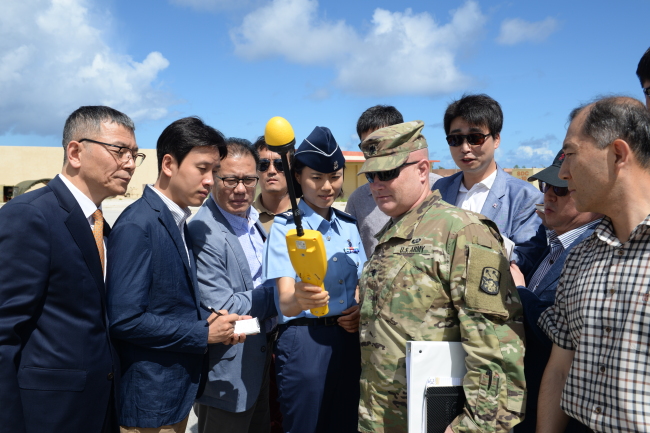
320,152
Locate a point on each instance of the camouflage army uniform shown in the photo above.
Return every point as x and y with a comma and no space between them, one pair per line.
439,274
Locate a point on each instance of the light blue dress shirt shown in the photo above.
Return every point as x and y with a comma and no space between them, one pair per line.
345,256
250,239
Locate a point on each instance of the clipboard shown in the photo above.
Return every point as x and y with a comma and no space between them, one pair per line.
432,364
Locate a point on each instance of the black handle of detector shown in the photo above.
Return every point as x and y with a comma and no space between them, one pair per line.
283,151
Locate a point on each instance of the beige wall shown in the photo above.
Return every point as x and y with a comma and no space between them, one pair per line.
19,163
524,173
350,180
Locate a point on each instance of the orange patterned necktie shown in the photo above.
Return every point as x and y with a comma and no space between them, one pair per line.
98,232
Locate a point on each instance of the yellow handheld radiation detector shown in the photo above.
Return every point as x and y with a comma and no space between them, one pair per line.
306,247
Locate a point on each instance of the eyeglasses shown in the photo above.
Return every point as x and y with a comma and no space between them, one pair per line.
559,191
646,90
232,182
386,175
473,139
123,153
265,163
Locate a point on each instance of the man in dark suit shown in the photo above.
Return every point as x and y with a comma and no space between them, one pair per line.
473,127
567,228
58,369
228,243
161,330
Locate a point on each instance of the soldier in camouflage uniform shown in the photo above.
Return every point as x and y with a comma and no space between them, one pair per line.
439,273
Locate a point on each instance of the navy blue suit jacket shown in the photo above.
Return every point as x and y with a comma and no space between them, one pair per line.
56,358
538,345
153,305
511,205
225,282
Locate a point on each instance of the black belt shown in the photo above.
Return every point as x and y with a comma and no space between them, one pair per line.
321,321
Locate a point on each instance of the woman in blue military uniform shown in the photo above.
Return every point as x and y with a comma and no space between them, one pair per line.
318,358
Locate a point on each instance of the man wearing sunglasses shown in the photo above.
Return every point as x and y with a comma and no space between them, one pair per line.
273,198
473,127
360,204
643,72
567,227
438,273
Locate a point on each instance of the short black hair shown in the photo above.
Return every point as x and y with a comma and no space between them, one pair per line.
237,147
183,135
86,122
477,110
261,145
617,117
378,117
643,70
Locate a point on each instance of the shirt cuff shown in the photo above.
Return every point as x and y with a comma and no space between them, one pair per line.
548,325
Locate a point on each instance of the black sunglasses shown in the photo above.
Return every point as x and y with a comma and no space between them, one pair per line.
646,91
265,163
559,191
473,139
385,176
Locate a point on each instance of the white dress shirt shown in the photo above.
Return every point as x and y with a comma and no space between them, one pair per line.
474,198
180,215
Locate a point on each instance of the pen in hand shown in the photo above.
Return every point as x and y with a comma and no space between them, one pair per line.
215,312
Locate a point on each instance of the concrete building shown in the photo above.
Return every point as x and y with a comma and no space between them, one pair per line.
28,163
22,163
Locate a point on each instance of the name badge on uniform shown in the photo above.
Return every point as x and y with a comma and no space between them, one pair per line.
414,248
350,249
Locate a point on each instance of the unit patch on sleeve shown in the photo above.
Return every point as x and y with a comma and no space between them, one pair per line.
490,281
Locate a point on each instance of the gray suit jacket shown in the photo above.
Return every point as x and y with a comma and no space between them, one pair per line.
225,282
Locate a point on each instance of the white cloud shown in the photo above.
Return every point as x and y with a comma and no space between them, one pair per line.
516,30
531,152
52,60
402,53
292,29
535,152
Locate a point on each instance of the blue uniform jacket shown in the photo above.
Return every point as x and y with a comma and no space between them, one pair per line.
225,282
538,345
56,359
345,256
161,331
511,205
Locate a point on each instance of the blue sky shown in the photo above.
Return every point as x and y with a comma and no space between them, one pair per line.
237,63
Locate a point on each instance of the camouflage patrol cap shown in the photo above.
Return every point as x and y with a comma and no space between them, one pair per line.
388,148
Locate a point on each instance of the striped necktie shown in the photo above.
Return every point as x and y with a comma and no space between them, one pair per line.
98,233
